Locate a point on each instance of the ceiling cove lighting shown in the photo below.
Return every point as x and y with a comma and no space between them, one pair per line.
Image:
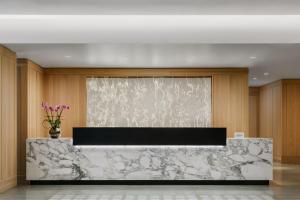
150,28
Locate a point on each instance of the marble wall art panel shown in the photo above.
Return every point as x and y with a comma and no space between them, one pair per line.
149,102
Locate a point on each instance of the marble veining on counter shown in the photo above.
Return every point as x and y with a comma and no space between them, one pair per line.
240,159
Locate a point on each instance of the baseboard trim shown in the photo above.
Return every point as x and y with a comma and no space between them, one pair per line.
277,158
8,184
290,159
151,182
22,180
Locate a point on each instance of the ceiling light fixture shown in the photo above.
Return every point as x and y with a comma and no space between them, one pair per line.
266,73
252,57
254,78
68,56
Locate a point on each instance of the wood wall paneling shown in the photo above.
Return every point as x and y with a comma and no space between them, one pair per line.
254,112
8,120
291,132
2,188
230,103
265,114
145,72
30,115
221,101
71,90
279,118
239,103
270,116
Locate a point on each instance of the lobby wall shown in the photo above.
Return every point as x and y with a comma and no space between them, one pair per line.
277,110
229,92
8,119
290,121
270,115
30,114
253,111
68,85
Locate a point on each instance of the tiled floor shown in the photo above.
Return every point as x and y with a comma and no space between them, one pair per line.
152,192
286,175
285,187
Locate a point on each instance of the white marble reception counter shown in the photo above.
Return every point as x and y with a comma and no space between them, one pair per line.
58,159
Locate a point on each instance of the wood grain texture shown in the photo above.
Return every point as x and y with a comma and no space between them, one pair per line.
291,131
31,116
279,118
144,72
71,90
230,103
8,133
239,103
221,101
253,111
270,116
265,112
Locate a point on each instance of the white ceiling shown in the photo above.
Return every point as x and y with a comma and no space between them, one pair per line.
157,33
150,29
279,60
90,7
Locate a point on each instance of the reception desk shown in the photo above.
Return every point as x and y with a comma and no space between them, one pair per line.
247,159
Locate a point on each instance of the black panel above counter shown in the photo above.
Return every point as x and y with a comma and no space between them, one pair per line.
148,136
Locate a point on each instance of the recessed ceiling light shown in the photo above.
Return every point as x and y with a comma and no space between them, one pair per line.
68,56
252,57
254,78
266,73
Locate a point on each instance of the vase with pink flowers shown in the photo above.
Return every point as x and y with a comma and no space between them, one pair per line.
53,118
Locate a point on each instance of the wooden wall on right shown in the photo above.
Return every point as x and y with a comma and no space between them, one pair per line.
279,118
270,116
291,121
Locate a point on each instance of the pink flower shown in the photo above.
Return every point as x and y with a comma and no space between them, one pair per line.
57,107
45,106
51,108
64,106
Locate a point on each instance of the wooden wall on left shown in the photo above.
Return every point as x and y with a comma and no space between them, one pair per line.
8,119
31,116
68,89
